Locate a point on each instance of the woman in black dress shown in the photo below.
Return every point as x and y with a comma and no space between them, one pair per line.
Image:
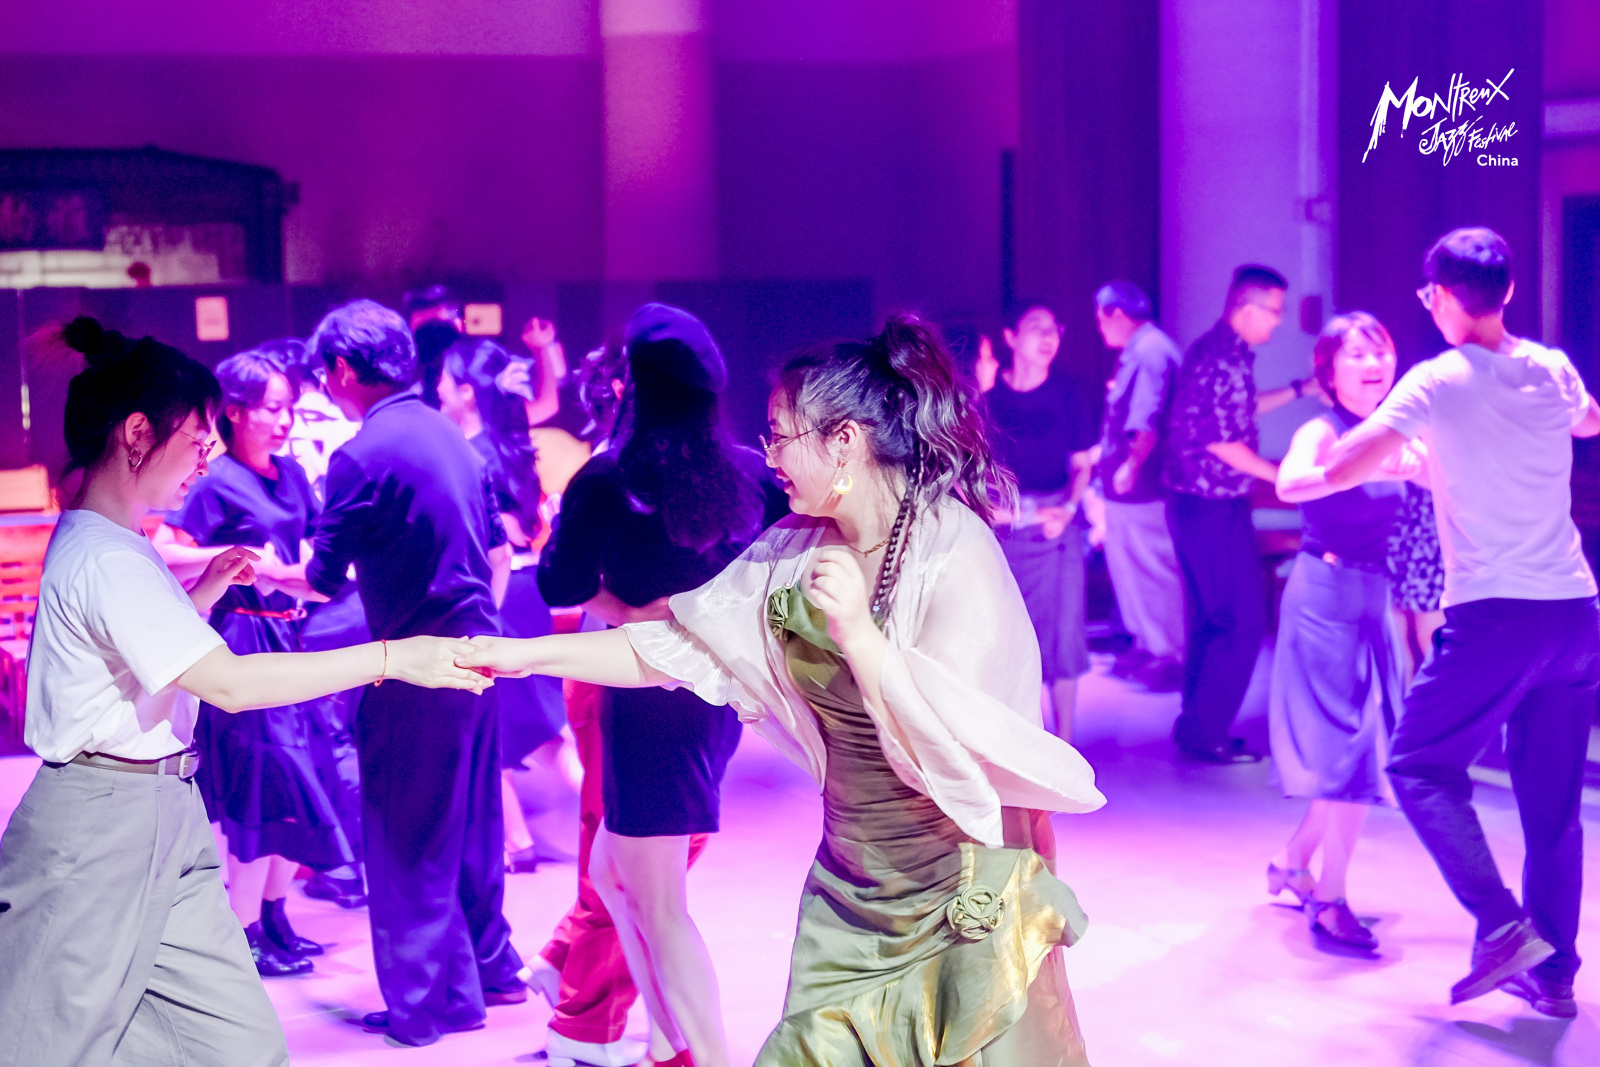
258,775
496,425
661,512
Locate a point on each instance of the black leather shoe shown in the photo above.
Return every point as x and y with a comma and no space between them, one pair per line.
515,995
272,961
1517,949
275,924
345,892
1547,996
1233,752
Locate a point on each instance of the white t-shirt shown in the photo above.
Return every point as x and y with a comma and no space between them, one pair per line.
114,630
1499,435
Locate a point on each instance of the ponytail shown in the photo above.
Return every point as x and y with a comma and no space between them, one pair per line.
920,415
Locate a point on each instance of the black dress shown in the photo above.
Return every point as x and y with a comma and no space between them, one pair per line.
664,750
258,772
531,709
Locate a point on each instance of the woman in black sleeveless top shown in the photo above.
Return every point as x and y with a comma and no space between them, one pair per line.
1335,674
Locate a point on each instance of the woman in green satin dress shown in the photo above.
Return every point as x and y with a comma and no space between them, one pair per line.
878,639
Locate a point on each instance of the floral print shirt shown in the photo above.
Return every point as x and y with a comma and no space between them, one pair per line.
1213,402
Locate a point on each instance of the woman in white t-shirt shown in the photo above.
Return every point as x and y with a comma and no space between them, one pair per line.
115,932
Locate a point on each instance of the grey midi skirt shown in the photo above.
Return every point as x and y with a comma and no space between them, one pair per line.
1335,684
1050,573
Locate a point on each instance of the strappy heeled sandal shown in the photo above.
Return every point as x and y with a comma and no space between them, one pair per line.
1280,878
1334,920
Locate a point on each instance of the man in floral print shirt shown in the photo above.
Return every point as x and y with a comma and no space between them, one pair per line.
1211,464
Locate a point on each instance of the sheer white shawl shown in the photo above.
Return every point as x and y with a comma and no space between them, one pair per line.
961,683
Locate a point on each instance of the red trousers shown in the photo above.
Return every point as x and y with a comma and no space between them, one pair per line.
596,989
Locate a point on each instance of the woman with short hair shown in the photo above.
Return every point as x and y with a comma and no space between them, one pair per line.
1336,687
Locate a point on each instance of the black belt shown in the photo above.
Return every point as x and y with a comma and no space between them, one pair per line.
1335,560
181,764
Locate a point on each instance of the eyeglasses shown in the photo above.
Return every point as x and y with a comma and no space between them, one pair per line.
779,440
206,449
1425,294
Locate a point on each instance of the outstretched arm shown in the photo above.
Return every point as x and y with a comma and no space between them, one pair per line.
603,658
274,679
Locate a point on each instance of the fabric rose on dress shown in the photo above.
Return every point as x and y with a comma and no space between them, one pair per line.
778,610
975,912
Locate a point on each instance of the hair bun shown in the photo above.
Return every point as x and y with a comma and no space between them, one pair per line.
86,335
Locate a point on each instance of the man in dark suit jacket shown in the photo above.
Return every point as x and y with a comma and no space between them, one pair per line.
406,504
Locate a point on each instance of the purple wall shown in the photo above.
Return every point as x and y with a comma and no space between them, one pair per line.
854,138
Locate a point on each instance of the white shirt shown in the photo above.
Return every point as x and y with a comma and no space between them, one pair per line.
114,630
1499,435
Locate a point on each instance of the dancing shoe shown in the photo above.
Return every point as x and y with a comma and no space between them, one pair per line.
1334,920
1161,675
561,1051
1281,878
272,961
680,1059
377,1022
1494,960
275,924
1129,663
515,995
345,892
543,979
1232,752
1548,996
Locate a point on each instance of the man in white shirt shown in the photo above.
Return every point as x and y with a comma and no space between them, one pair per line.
1520,646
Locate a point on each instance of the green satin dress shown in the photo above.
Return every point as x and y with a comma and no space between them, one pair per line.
915,946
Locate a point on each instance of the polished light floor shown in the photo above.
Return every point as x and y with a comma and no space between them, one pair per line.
1186,962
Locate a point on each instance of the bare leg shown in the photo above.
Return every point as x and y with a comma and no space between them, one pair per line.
1064,695
247,882
1344,822
608,885
1303,844
517,835
280,876
646,874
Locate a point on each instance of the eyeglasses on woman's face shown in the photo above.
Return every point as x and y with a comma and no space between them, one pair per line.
771,446
205,448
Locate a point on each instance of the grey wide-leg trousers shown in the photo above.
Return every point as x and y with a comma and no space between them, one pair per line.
117,945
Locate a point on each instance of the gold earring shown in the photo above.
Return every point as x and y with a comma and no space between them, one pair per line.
843,482
135,459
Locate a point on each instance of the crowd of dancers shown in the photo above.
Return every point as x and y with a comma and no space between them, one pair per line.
338,644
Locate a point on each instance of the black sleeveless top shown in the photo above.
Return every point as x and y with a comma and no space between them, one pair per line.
1354,524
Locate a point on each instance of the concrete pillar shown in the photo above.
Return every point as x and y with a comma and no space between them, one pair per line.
660,146
1239,171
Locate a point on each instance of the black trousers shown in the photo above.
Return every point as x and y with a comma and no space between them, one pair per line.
1530,666
435,842
1216,546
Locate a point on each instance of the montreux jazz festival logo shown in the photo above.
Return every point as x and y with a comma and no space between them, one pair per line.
1459,121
